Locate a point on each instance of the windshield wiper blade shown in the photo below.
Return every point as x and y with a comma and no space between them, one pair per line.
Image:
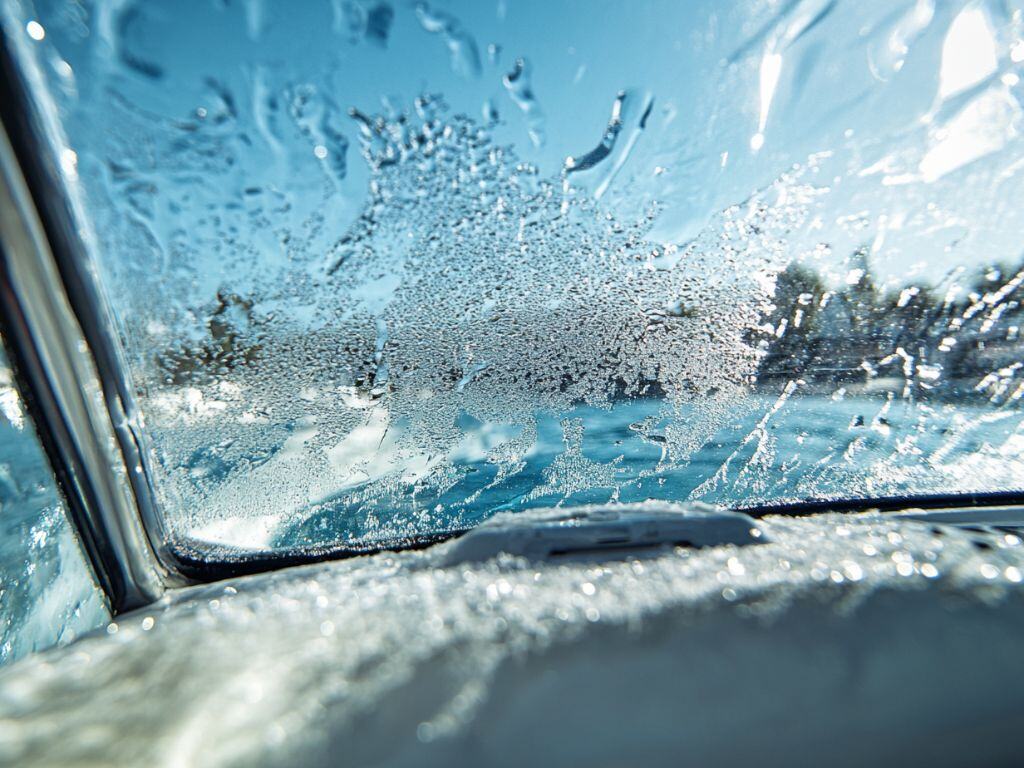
1003,518
814,506
624,529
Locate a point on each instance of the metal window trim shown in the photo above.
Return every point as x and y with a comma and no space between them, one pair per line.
63,351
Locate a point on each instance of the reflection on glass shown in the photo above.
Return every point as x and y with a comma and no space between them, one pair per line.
47,592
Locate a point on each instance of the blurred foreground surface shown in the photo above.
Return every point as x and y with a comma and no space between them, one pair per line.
847,640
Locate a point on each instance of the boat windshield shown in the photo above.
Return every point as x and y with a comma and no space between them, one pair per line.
383,269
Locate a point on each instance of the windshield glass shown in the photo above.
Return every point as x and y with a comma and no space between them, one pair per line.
383,269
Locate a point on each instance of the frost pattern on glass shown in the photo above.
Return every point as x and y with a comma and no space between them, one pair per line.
386,269
470,296
47,592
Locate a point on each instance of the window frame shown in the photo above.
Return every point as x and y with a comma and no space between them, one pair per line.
61,351
70,368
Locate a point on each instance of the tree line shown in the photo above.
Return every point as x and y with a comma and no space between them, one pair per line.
941,340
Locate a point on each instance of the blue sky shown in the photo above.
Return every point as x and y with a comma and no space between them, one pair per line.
890,97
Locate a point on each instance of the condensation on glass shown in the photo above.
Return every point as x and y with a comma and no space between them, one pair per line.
382,269
48,594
